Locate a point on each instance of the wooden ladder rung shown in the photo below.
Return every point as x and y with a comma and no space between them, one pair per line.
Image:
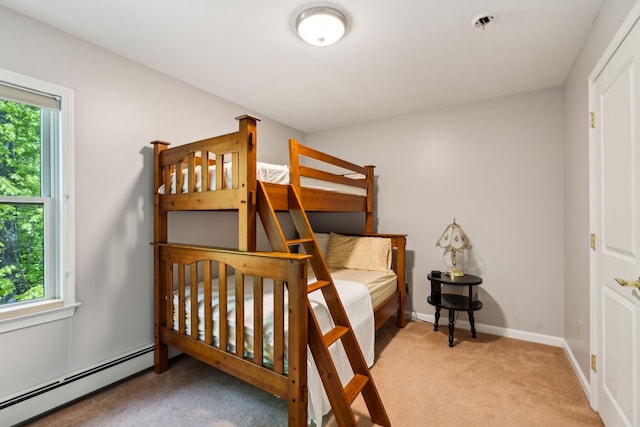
298,241
334,335
355,386
317,285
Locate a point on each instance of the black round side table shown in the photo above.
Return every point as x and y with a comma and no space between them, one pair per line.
454,302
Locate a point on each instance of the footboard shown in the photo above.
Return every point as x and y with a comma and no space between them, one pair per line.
218,306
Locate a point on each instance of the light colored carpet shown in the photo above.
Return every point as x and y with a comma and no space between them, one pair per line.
489,381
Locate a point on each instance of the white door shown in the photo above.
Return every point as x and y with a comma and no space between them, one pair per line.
616,222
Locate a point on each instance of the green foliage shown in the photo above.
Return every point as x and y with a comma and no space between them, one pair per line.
21,225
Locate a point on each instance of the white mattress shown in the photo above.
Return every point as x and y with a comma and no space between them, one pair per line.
266,172
356,301
380,284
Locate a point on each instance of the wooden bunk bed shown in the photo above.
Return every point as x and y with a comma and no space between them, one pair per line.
220,173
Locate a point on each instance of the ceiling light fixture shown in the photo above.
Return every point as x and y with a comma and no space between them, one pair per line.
321,26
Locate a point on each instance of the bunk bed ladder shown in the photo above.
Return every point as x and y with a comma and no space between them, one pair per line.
340,397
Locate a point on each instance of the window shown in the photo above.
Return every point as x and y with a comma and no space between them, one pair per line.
36,203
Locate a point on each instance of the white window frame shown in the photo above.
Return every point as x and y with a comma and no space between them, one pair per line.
62,303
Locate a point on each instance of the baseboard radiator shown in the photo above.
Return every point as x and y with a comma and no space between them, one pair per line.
39,400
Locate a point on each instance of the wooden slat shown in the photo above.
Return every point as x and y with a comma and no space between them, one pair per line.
235,171
193,285
167,296
220,181
278,326
223,321
239,314
179,177
181,300
191,167
208,303
258,320
222,200
315,200
167,180
332,177
204,170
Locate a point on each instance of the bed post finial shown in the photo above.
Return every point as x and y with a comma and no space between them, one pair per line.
246,116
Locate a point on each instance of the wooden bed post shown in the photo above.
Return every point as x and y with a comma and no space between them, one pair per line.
294,163
401,243
370,220
160,227
247,135
298,332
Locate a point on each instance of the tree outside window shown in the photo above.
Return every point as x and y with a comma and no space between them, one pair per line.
22,222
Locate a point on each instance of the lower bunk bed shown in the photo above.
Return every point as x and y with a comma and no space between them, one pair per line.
265,338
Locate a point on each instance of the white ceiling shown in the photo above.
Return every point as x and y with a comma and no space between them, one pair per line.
398,57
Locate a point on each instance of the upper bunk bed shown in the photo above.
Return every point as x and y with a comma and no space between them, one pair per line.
187,177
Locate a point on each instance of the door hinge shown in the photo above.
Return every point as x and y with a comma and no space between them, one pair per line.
592,119
593,362
593,241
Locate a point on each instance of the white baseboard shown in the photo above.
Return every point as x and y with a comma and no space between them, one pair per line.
45,397
495,330
520,335
584,382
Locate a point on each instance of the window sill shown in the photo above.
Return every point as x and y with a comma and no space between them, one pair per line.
35,313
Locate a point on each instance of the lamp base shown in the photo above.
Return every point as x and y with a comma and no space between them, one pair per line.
454,272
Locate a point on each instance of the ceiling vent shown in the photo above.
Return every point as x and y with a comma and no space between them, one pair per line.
483,21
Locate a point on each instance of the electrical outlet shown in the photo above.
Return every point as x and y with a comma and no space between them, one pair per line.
579,328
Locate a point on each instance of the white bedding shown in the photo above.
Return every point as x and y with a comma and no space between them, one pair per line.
380,284
266,172
357,304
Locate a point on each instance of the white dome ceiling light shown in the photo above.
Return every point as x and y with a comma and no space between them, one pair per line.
321,26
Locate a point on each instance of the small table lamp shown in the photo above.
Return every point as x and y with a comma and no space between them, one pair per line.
453,239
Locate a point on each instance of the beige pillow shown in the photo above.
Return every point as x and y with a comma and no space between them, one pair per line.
360,253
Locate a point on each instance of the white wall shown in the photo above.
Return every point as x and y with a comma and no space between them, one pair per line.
576,181
497,167
120,107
